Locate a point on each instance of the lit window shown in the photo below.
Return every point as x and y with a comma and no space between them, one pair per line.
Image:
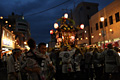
92,36
81,38
7,34
23,17
99,34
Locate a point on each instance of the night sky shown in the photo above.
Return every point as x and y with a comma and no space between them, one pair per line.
42,14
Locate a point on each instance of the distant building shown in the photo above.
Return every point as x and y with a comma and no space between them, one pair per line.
20,28
81,15
110,26
7,41
83,12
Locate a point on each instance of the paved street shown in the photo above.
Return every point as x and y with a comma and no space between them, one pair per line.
3,74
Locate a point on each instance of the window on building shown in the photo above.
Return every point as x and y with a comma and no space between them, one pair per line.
88,7
96,26
105,22
101,24
22,24
117,17
91,30
21,30
110,20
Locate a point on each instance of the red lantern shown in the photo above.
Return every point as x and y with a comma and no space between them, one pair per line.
51,31
82,26
59,40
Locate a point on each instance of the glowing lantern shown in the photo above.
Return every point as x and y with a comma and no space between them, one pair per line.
86,38
59,40
82,26
6,21
11,31
51,31
56,25
25,42
9,25
65,15
1,17
72,37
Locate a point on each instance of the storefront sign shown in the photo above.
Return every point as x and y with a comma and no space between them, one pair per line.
7,42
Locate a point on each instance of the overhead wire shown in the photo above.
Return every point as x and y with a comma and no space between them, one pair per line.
48,8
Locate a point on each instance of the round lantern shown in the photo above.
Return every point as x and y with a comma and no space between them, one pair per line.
65,15
82,26
56,25
51,31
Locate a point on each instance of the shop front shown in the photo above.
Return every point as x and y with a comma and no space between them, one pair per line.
8,42
114,42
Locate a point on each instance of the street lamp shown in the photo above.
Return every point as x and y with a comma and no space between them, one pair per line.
102,19
103,31
1,17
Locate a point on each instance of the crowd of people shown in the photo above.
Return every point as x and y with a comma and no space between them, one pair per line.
65,63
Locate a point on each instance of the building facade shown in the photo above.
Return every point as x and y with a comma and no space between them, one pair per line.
108,30
20,28
7,42
83,12
81,15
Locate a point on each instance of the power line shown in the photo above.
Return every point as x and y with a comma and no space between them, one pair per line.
48,8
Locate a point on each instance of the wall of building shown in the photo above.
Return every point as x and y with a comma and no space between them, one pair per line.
83,12
106,12
8,41
83,37
20,27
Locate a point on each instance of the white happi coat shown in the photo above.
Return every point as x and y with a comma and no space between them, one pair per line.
66,60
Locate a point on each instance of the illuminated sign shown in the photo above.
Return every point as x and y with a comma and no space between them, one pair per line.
7,42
